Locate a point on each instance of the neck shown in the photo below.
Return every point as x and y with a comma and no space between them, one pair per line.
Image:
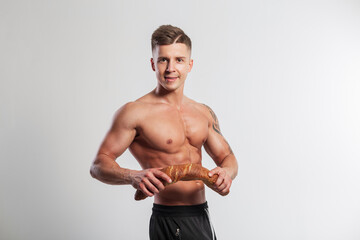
174,98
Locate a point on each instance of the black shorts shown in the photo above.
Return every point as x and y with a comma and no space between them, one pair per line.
181,222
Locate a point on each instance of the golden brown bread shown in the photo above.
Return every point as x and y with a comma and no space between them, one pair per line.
185,172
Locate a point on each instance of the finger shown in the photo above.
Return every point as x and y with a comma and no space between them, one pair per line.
220,179
222,186
214,171
145,191
224,193
150,186
226,190
162,175
157,183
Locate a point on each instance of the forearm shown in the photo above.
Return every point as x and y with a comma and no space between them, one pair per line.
230,165
106,170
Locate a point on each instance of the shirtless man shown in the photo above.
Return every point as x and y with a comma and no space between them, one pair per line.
164,128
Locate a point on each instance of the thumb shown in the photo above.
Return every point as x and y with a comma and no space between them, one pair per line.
214,171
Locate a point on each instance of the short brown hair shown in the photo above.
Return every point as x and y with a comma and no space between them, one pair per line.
167,34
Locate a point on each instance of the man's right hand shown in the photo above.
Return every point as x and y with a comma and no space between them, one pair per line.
149,181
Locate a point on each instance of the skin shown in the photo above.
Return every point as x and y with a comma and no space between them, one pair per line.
164,128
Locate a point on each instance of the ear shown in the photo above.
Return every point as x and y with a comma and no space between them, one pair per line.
191,64
152,64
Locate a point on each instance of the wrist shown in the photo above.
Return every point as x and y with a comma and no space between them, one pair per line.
131,176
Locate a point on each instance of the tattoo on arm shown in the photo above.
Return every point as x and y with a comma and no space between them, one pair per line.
216,126
215,123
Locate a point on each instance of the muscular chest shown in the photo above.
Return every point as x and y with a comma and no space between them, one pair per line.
169,129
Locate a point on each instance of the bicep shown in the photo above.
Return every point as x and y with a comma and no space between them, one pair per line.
120,135
116,142
216,145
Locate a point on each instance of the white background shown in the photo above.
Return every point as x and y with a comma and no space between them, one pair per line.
282,76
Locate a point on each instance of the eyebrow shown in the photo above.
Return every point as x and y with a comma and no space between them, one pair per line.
175,57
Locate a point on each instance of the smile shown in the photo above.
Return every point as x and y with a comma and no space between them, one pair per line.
170,79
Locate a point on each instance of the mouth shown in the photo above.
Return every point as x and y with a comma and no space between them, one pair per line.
170,79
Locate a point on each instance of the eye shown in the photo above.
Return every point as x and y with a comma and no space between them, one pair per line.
179,60
162,60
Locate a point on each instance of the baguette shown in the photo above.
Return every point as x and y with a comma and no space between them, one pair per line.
184,172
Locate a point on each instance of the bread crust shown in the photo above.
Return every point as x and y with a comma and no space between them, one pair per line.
184,172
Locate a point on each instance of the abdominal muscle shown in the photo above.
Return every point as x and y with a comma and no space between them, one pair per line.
179,193
182,193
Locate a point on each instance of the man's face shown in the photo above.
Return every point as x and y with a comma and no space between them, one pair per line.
171,64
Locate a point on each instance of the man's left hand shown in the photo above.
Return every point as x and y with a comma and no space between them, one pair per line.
223,183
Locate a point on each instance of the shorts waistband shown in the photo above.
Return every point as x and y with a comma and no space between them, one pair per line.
181,211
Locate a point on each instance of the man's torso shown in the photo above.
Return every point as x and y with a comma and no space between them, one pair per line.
166,135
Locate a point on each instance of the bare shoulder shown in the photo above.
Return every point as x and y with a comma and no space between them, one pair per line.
127,115
203,108
210,115
131,109
131,113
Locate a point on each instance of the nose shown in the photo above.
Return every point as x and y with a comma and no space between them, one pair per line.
170,66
